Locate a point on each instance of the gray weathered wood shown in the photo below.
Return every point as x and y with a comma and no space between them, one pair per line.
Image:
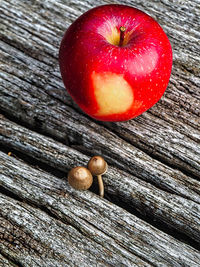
68,126
4,262
154,160
31,237
178,212
175,117
127,239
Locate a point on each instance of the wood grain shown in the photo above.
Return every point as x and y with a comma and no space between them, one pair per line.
157,132
83,216
154,160
4,262
179,212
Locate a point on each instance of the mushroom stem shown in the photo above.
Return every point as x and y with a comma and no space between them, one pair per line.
101,186
98,166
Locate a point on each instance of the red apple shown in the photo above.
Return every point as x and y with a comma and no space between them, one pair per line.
115,62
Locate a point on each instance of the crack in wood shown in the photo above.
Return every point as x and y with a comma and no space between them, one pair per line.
157,157
8,261
150,219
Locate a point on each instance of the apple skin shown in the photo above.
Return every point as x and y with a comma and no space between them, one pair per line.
92,64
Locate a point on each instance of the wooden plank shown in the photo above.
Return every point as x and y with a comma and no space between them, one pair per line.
87,222
34,239
179,212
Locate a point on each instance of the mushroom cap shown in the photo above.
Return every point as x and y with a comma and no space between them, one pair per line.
80,178
97,165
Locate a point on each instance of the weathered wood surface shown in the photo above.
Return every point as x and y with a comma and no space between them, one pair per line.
154,160
116,237
4,262
179,212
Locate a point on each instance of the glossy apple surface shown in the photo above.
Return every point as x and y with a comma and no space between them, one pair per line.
109,81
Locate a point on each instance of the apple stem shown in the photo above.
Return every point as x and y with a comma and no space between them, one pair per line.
122,34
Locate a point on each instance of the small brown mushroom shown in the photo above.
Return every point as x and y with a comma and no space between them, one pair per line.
80,178
98,166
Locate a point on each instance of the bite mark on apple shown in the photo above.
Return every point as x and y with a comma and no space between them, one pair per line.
113,93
